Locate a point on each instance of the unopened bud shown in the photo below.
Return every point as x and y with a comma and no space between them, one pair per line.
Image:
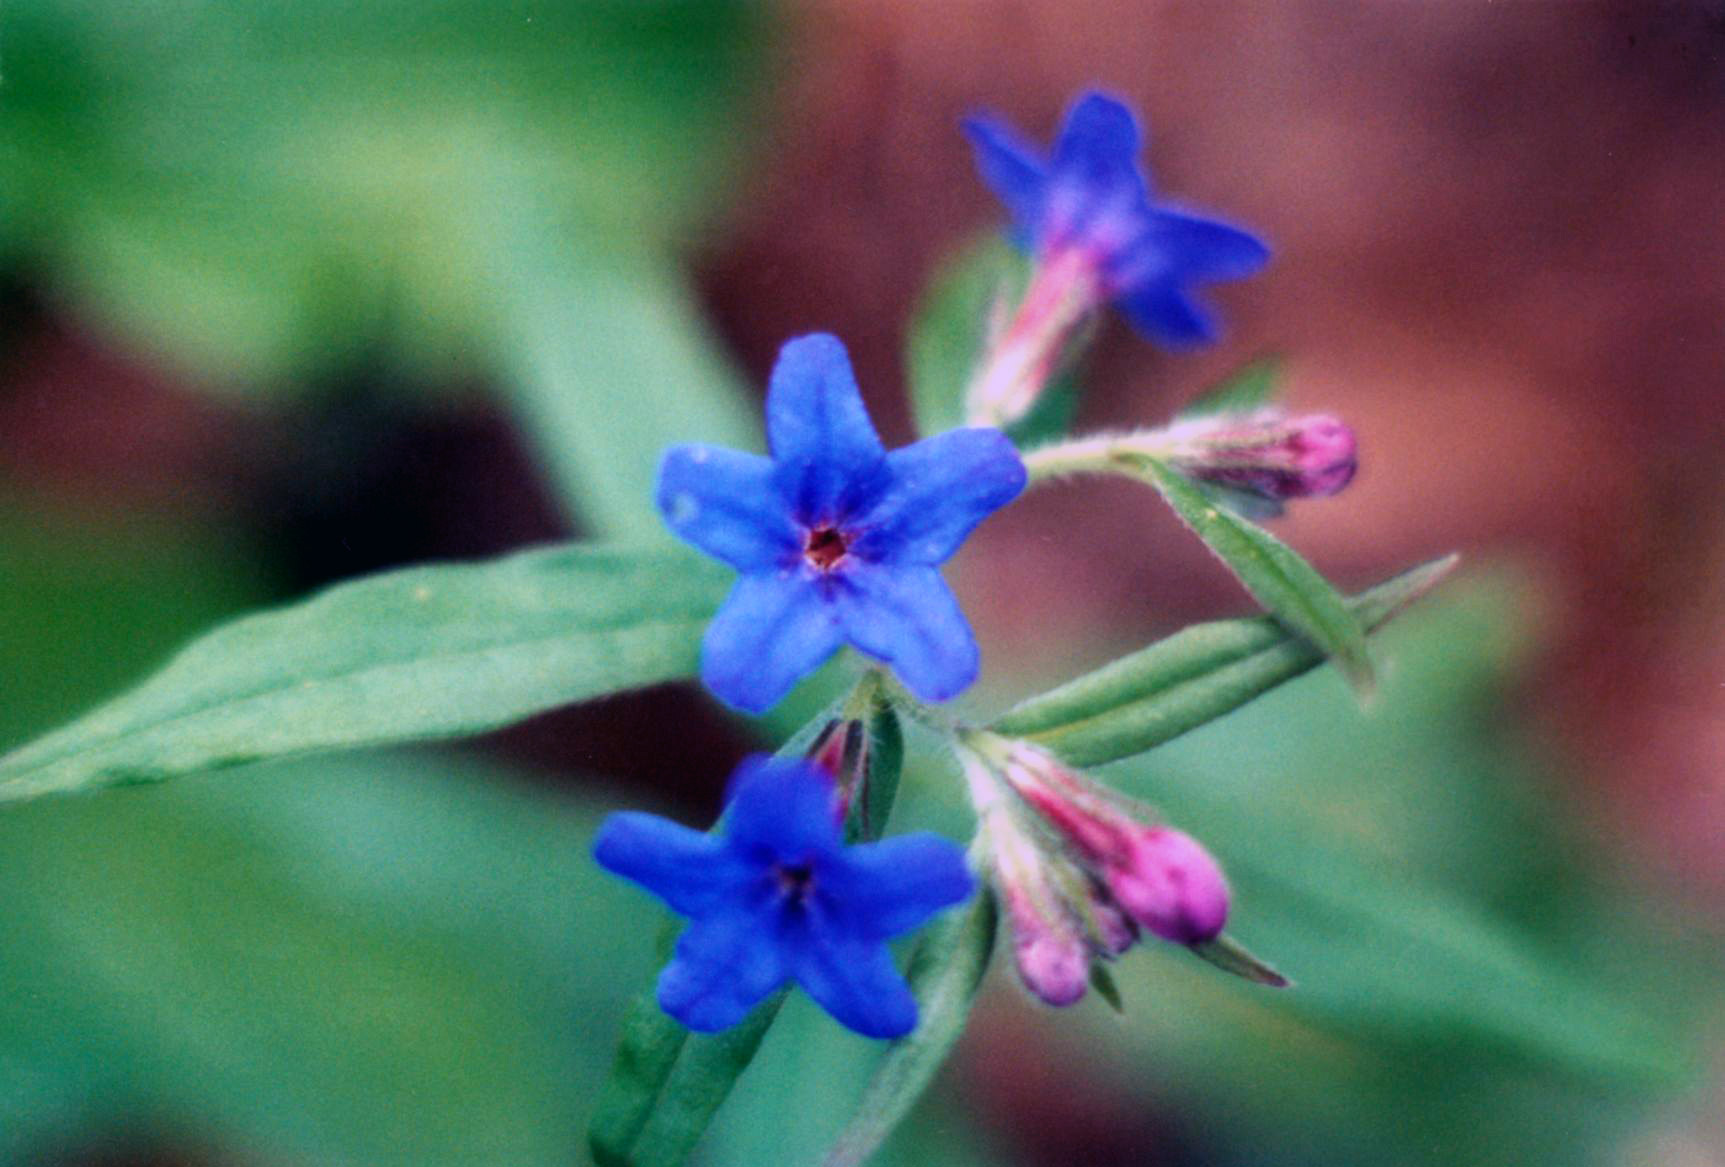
1266,453
1029,348
1172,886
1052,958
841,752
1162,878
1112,930
1049,945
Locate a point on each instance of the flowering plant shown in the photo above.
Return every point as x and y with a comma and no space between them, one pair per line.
830,541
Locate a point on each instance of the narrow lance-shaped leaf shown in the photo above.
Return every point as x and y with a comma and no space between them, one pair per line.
1278,578
607,362
698,1085
1192,677
647,1052
429,652
666,1083
945,973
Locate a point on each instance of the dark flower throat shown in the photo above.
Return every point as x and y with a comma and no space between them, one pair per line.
824,547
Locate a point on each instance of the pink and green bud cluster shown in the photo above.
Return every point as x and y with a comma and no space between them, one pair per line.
1081,875
1266,453
1161,878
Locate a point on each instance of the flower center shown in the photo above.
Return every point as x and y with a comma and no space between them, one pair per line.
824,547
794,879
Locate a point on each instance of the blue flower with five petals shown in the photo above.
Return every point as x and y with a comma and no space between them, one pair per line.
781,898
1090,200
835,538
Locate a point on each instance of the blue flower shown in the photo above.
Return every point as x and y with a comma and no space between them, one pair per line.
781,898
1091,202
836,539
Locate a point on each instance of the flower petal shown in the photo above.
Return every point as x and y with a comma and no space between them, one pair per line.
782,809
692,872
1208,249
909,618
1011,167
1169,315
725,503
1098,146
830,460
942,487
724,966
854,980
882,889
772,630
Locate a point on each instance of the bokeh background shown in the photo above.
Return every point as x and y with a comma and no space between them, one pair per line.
291,292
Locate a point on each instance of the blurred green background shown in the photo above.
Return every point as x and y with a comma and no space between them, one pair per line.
292,292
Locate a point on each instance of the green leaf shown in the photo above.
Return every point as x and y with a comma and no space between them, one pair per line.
1192,677
360,959
1103,982
886,767
608,363
647,1052
951,325
1278,578
1251,388
429,652
945,973
699,1083
1468,986
1231,956
666,1084
251,196
91,606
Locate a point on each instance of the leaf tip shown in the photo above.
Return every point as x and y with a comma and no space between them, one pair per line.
1231,956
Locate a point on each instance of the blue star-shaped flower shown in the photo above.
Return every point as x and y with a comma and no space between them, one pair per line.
781,898
1091,200
836,539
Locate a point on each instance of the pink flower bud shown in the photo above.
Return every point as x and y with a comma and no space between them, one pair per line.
1114,930
1026,351
1172,886
1162,878
841,752
1051,954
1267,453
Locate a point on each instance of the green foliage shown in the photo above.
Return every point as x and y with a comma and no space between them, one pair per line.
607,363
428,652
702,1077
1400,870
945,972
366,959
950,327
259,188
89,604
1278,578
1191,678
